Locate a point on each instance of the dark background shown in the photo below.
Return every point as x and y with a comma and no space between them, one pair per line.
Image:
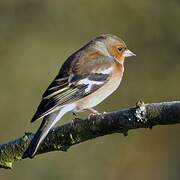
37,36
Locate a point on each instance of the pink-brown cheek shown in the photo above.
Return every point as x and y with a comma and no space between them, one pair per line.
116,54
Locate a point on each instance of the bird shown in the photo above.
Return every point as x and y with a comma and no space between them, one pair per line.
86,78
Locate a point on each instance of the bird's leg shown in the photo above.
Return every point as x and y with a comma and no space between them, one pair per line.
75,117
93,112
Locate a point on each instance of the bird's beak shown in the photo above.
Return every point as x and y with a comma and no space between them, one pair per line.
128,53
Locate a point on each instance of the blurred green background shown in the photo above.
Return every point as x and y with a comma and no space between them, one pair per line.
37,36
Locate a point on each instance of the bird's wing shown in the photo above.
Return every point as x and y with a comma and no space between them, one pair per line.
77,78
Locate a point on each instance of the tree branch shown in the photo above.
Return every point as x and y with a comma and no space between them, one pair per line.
77,131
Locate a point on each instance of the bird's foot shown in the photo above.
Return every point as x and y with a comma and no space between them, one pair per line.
95,113
75,117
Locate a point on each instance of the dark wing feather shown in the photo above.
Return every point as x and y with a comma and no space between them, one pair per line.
67,89
47,105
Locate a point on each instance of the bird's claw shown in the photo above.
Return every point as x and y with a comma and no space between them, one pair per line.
91,115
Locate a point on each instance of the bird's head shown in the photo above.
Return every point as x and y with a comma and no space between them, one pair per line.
113,46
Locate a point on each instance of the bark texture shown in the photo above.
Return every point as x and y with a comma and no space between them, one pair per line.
77,131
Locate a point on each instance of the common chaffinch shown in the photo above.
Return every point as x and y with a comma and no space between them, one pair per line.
85,79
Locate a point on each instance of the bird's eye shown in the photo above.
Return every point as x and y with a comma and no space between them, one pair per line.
120,49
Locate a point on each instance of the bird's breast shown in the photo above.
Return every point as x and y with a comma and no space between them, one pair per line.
102,93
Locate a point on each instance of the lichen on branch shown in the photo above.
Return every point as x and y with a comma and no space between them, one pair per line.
77,131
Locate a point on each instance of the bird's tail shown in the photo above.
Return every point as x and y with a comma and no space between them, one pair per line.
48,122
